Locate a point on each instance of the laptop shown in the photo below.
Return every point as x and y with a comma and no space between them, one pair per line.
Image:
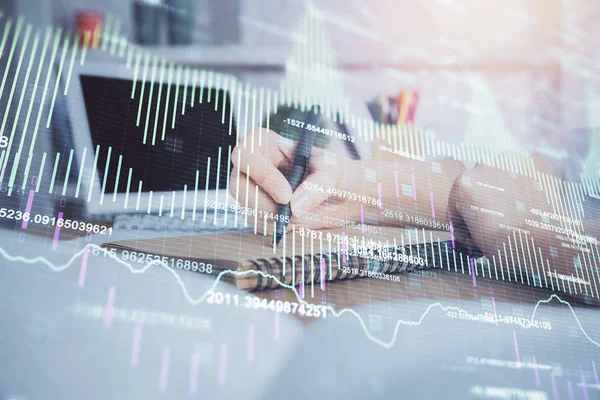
157,145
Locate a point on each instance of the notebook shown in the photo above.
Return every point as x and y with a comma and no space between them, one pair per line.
253,262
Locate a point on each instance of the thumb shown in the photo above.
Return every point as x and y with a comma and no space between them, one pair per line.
313,192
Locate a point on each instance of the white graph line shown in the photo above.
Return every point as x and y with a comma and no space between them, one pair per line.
385,344
554,296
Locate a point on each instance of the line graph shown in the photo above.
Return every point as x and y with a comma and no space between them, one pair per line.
383,343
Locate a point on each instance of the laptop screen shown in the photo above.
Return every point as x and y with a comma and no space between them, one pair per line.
165,146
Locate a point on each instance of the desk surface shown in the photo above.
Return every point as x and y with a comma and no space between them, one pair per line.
382,334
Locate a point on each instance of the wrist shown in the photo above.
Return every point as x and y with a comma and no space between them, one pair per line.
355,178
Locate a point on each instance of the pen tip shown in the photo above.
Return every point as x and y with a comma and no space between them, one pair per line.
277,237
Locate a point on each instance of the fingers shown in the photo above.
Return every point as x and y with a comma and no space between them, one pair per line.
255,204
276,148
313,191
287,147
264,165
257,199
263,169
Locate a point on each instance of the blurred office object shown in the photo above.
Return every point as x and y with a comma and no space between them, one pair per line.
147,17
88,24
181,22
225,21
38,12
406,102
397,110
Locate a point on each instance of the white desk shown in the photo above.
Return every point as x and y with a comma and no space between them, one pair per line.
57,343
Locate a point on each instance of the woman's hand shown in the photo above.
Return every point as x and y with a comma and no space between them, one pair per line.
263,185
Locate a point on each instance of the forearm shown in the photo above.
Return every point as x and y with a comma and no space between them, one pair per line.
405,188
510,216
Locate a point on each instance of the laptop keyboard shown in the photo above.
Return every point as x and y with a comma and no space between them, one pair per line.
214,221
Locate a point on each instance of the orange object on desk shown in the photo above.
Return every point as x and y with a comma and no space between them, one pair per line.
406,101
89,27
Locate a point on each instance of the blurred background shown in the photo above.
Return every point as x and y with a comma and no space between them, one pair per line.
528,72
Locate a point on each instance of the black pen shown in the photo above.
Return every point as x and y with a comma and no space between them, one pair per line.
299,168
